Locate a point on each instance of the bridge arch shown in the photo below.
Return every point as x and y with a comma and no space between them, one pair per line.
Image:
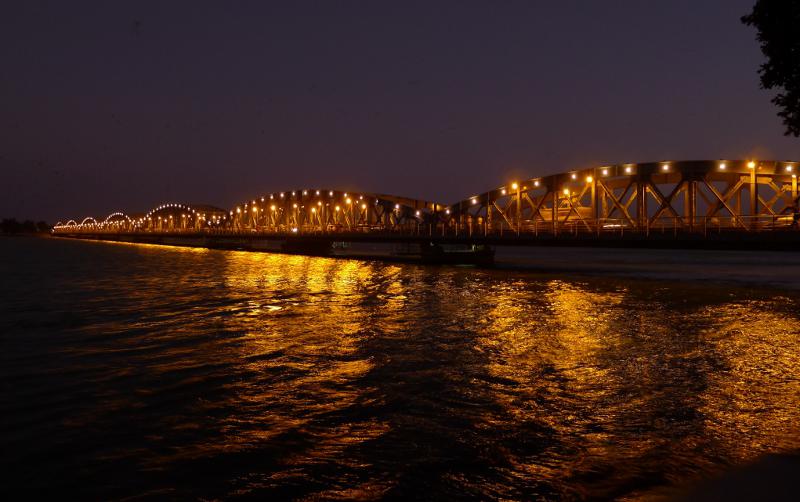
652,196
324,209
176,216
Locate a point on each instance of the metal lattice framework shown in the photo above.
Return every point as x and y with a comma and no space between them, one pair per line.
325,210
687,196
680,197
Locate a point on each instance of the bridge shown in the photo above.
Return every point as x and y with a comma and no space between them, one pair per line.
654,203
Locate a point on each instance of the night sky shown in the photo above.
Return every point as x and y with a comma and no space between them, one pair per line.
123,105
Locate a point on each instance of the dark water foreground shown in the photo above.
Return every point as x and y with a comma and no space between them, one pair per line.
134,371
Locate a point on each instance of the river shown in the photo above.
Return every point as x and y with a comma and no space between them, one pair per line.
150,372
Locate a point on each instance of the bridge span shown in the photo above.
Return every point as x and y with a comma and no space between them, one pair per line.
671,203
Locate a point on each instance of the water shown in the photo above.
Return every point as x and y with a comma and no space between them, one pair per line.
147,372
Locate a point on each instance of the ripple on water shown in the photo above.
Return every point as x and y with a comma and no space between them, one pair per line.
163,372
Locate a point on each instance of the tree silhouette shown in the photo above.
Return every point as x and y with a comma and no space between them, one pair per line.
777,22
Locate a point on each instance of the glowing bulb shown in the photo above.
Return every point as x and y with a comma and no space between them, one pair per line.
566,191
789,169
536,183
348,201
514,186
574,175
313,209
474,201
665,167
363,206
722,166
751,164
605,172
503,191
337,208
589,179
628,169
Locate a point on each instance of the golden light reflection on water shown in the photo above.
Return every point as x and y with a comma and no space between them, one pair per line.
361,379
605,372
752,403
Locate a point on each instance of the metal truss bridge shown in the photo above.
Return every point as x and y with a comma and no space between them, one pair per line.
657,201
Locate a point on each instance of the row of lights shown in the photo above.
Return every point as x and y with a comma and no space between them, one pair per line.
628,170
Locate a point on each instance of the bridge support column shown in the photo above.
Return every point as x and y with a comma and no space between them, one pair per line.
555,210
754,196
519,208
690,203
595,205
641,206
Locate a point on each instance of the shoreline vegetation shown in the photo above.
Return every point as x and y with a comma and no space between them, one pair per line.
11,226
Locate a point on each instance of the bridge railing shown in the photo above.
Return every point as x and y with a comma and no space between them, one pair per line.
600,228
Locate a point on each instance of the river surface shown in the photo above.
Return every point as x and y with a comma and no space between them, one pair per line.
146,372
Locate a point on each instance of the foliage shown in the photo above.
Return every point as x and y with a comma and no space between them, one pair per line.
12,226
777,22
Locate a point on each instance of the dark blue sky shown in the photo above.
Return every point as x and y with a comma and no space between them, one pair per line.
107,105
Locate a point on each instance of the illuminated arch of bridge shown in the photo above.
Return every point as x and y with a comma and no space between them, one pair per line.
686,196
325,210
679,197
182,217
